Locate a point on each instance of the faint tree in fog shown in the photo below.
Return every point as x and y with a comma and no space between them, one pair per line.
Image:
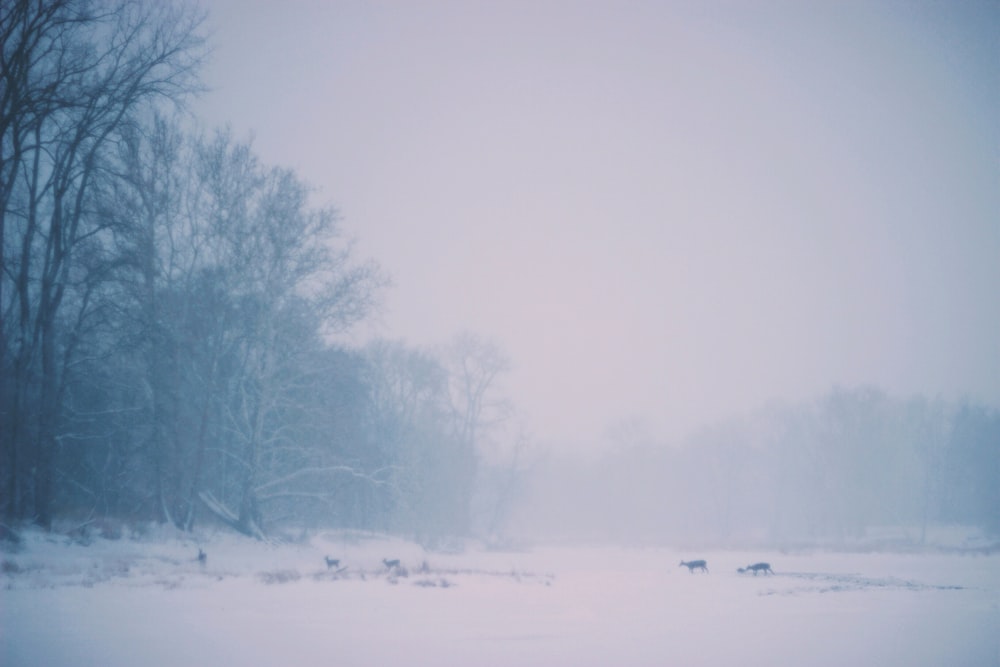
404,413
474,367
973,467
412,434
796,481
924,426
75,74
501,483
856,461
427,413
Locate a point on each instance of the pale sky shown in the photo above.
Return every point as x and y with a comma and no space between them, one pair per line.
664,211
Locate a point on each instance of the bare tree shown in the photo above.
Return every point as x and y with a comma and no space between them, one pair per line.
232,281
408,426
474,366
288,277
75,74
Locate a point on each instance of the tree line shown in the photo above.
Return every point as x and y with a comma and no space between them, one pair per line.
168,306
855,466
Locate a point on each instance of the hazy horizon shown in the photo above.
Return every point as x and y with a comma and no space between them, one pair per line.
665,213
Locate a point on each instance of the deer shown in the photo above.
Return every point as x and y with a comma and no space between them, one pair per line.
390,564
693,565
202,557
331,562
759,567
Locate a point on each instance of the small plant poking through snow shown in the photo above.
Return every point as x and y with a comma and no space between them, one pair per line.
279,576
433,583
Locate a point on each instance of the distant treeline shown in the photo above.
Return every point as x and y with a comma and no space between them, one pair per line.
168,304
834,470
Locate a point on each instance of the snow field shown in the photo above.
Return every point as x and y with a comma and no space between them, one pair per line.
148,601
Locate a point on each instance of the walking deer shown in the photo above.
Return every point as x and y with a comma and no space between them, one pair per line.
693,565
759,567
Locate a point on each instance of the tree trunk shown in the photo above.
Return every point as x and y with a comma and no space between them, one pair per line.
47,425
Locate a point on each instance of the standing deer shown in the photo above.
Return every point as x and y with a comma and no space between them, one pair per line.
331,562
693,565
390,564
759,567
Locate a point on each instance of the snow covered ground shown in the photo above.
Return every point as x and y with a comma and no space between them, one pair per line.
146,600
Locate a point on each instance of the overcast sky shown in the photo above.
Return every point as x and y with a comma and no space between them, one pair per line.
672,212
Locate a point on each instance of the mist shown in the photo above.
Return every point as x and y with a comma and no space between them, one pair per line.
853,469
438,269
666,212
741,259
516,333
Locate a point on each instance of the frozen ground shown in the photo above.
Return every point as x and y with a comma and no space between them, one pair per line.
148,601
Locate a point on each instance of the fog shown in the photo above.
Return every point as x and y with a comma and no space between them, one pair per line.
667,214
670,273
440,332
856,469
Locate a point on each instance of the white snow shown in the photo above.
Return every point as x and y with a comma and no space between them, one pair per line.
146,600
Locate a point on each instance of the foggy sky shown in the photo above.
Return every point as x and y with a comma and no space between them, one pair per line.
661,211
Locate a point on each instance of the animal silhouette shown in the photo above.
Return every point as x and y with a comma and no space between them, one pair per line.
759,567
693,565
331,562
390,564
202,557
